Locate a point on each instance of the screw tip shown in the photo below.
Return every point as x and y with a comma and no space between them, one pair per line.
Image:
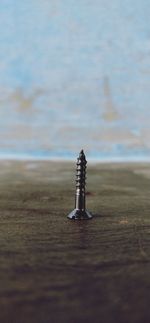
82,153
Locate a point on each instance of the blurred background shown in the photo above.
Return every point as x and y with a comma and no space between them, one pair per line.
75,74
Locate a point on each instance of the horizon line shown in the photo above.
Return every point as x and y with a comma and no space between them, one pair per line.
27,157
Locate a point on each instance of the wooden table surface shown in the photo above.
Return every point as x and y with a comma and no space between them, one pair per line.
54,270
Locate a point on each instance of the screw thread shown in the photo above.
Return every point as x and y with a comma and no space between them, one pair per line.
80,212
80,182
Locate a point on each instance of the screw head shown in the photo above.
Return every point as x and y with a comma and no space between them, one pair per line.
79,215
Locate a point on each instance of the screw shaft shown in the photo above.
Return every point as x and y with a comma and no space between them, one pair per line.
80,182
80,212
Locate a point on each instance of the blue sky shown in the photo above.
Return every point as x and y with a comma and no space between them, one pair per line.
77,72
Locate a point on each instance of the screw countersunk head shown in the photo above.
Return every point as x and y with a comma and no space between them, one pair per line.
80,212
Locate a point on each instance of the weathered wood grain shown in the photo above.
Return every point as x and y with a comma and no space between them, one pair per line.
60,271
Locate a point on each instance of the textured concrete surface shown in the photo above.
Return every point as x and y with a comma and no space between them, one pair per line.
60,271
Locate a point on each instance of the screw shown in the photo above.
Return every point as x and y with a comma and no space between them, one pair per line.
80,212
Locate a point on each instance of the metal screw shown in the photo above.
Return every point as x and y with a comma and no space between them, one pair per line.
80,212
